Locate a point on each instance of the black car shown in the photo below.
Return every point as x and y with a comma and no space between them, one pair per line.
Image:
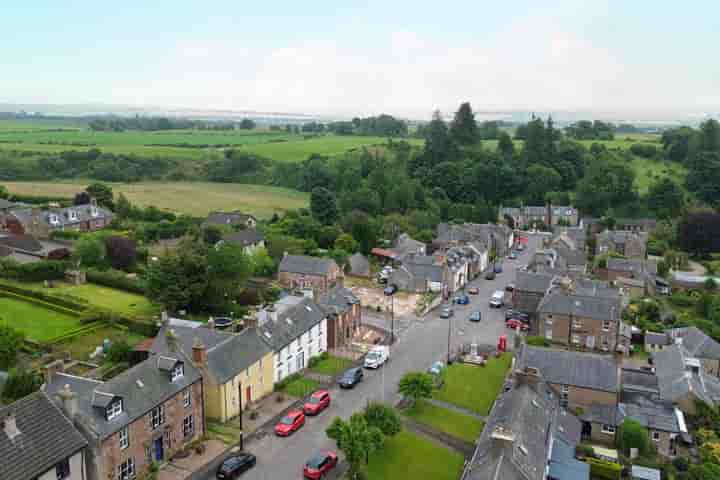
350,377
236,465
509,313
490,275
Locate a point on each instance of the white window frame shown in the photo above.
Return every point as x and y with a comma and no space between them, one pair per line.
157,417
549,320
576,323
608,429
575,339
178,372
188,426
114,410
548,334
606,325
126,469
187,398
124,438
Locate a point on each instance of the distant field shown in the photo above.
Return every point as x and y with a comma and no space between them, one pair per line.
28,125
194,198
649,171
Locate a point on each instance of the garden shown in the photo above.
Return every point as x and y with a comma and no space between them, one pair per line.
38,321
448,421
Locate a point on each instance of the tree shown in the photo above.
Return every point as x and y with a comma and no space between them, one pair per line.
20,383
607,183
262,263
11,341
438,146
633,435
416,386
178,281
89,251
541,180
362,229
464,129
383,417
699,232
123,207
119,352
356,439
121,251
666,198
82,198
705,471
323,205
247,124
347,243
505,145
212,234
102,193
4,192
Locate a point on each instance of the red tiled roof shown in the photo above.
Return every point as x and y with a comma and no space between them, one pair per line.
145,345
382,252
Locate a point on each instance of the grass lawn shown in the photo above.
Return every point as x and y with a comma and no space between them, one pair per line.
453,423
407,455
332,366
82,346
473,387
194,198
300,387
649,171
37,322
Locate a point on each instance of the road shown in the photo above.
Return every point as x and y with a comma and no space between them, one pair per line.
418,346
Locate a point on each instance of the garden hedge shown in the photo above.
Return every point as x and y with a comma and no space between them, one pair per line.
52,299
604,469
33,272
116,279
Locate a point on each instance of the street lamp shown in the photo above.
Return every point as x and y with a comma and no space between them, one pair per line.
390,292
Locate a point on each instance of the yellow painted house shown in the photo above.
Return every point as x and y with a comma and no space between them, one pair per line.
237,369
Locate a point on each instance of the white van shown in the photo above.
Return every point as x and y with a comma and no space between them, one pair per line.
377,356
498,299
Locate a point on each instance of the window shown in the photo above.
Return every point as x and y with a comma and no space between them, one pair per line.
606,325
577,323
576,339
608,429
126,470
548,334
157,417
178,371
124,438
187,400
62,469
113,410
188,426
656,436
549,320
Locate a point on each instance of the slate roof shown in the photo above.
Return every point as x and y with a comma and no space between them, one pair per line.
246,237
632,265
359,265
83,213
227,218
652,338
602,414
597,308
27,243
46,437
587,287
138,400
564,466
532,282
586,370
571,257
638,381
405,244
426,271
6,205
676,381
293,317
644,473
337,300
696,342
306,264
650,413
228,354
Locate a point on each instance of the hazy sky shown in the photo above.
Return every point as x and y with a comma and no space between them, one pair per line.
395,56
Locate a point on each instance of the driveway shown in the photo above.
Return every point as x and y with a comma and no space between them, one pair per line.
419,344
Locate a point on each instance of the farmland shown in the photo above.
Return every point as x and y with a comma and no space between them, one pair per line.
193,198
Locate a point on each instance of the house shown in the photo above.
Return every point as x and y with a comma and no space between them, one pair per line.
530,288
529,216
558,259
358,265
237,369
647,225
527,437
592,322
26,248
625,243
5,208
304,272
643,473
344,316
295,329
419,275
235,220
585,382
682,379
699,345
406,245
665,424
631,268
144,415
497,239
38,442
40,223
574,238
654,342
249,238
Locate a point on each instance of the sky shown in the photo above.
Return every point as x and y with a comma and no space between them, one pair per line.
364,57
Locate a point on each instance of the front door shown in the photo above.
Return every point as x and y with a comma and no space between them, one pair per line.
248,395
159,449
586,431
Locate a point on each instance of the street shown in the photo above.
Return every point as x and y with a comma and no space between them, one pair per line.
419,344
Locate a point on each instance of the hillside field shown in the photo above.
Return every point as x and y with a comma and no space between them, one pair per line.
193,198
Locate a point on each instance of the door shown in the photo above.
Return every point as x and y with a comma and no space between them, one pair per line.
159,449
248,395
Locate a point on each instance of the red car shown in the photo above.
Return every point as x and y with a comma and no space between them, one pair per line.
290,423
318,402
473,291
515,323
319,465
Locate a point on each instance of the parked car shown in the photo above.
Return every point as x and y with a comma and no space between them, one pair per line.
490,275
510,313
515,323
319,465
350,377
290,423
390,289
498,268
317,402
520,247
436,368
510,287
462,299
446,312
377,356
512,256
233,467
475,317
498,299
473,291
222,323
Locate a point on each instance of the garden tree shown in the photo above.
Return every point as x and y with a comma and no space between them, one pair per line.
346,242
227,268
506,147
323,205
119,351
438,145
4,192
535,142
102,193
262,263
121,251
704,471
666,198
607,183
340,256
327,235
362,228
704,177
356,439
177,281
20,383
540,181
89,251
315,173
447,176
464,129
82,198
212,234
416,386
663,268
11,341
383,417
633,435
699,232
279,244
246,124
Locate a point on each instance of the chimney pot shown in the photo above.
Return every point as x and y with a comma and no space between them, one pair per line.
10,426
52,368
211,323
69,401
199,352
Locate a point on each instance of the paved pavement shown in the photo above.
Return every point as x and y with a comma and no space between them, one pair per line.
421,342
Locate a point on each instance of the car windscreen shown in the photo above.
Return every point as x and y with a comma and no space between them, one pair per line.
314,400
316,461
287,420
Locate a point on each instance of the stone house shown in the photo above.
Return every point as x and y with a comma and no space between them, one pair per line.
406,245
249,238
234,220
621,269
698,345
625,243
344,316
237,368
144,415
419,275
529,215
302,272
529,290
38,442
683,381
484,236
654,342
41,223
358,265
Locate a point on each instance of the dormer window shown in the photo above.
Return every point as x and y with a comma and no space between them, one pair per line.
178,372
113,410
72,214
93,211
54,219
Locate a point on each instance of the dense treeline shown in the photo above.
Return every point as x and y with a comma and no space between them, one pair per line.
152,124
382,126
587,130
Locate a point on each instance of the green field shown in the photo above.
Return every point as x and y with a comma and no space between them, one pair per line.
649,171
38,323
448,421
194,198
407,455
474,387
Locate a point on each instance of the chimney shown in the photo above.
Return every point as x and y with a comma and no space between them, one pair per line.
164,317
211,323
199,352
69,402
285,254
503,435
10,427
250,321
52,368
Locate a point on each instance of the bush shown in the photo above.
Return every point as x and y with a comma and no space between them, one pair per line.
116,279
633,435
681,464
279,386
65,235
538,341
119,352
20,383
49,301
604,469
33,272
682,300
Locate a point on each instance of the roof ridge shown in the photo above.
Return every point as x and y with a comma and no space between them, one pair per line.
80,378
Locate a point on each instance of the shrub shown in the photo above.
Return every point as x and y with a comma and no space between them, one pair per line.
33,272
20,383
119,351
538,341
633,435
682,300
65,235
116,279
681,464
604,469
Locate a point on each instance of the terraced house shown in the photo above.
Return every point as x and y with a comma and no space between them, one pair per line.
144,415
40,223
302,272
